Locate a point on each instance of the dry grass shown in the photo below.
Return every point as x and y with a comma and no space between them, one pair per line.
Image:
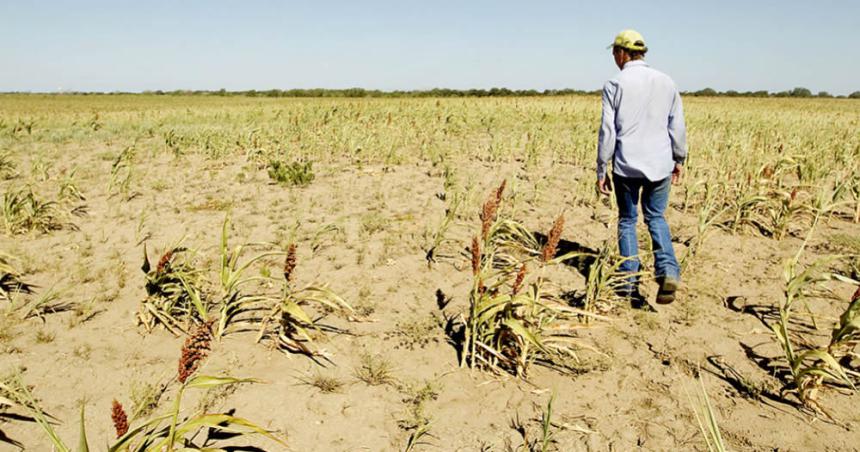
325,384
375,370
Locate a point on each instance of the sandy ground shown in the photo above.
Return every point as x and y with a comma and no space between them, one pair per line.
631,396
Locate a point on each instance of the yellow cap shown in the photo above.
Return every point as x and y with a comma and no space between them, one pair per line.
630,40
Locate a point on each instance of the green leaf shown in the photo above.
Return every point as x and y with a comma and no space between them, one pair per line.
517,327
124,440
227,423
296,311
208,381
195,299
325,296
836,370
82,439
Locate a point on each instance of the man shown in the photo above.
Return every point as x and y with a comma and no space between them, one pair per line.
643,134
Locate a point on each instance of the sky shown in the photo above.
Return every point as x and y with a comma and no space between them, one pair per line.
119,45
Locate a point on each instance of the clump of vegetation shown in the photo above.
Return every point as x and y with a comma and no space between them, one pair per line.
544,440
515,316
812,367
233,300
7,166
297,174
324,383
374,370
416,396
10,278
23,211
174,298
287,323
177,297
122,173
48,301
605,280
437,242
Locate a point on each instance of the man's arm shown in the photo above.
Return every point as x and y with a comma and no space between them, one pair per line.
607,135
678,131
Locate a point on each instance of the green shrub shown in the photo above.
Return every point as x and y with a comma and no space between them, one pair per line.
296,173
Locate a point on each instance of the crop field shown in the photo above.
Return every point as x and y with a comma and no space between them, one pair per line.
409,274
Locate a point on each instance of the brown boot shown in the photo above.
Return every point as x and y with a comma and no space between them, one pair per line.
668,287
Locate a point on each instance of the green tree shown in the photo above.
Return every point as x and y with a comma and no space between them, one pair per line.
800,92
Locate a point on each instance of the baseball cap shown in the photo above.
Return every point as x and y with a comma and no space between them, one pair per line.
630,40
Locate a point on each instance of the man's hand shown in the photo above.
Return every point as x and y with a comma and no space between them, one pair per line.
604,186
676,173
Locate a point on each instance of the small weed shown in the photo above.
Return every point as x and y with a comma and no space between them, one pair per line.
159,185
145,396
215,396
416,397
418,332
45,337
375,370
212,205
373,222
365,307
82,351
325,384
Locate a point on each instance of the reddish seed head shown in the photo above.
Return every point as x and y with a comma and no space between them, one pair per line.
856,295
290,263
488,215
164,262
490,208
554,236
518,282
500,191
195,349
794,194
119,418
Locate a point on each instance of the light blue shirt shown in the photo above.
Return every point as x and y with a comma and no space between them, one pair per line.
642,129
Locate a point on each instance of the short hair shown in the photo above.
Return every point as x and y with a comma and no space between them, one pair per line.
634,54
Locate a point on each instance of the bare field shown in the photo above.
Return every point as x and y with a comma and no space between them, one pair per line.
389,330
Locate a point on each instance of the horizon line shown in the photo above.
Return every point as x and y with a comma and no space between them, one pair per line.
800,92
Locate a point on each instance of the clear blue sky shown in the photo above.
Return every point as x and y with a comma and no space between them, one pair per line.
139,45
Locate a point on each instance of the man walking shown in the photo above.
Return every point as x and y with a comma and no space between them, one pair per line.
643,134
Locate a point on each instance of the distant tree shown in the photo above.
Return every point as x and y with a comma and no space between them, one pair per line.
800,92
854,95
824,94
706,92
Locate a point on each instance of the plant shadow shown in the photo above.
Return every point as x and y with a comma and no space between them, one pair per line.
581,262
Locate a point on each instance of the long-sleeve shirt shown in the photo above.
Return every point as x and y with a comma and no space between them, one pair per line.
642,129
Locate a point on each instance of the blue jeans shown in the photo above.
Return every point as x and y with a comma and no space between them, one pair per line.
655,198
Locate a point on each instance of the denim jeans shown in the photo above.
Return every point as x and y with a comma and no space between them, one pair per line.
655,198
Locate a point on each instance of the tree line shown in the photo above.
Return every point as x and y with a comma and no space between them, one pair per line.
798,92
